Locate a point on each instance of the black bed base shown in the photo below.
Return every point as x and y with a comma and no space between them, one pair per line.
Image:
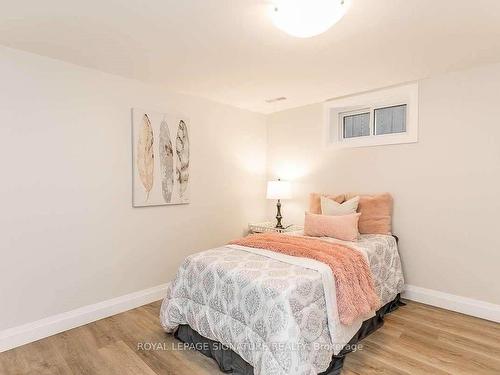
230,362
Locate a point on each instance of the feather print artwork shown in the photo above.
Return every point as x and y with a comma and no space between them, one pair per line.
166,162
145,155
160,158
182,151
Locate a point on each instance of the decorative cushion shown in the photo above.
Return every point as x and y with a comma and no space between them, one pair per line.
333,208
315,201
376,213
343,227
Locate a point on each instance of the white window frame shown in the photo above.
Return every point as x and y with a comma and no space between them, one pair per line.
337,109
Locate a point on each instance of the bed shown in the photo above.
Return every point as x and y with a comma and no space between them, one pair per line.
255,313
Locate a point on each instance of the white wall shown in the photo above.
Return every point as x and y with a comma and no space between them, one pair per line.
445,186
69,235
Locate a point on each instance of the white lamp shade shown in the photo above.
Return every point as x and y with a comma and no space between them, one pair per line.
279,190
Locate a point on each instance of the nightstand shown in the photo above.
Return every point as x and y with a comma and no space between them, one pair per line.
270,226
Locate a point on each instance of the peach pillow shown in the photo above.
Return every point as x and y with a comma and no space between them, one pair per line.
343,227
315,201
376,213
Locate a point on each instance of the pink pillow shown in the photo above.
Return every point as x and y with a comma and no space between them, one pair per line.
343,227
376,213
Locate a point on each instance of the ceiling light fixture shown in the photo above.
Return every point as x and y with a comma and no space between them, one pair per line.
306,18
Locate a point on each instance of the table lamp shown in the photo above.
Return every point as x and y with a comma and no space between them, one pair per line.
279,190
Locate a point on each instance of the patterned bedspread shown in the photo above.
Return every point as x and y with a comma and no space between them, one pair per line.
273,314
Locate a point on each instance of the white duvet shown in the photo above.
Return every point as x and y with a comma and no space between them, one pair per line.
276,311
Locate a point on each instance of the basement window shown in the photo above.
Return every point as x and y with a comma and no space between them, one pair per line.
383,117
356,124
390,120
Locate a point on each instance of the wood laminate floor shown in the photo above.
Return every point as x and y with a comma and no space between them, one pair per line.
416,339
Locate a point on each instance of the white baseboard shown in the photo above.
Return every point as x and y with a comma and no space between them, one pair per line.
468,306
26,333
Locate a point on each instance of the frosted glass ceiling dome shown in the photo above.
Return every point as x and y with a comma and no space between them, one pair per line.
306,18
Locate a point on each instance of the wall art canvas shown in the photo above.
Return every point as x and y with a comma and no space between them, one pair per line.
160,149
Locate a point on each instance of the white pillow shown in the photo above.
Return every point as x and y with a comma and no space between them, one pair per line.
332,208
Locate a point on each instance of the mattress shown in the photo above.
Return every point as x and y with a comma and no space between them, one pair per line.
272,313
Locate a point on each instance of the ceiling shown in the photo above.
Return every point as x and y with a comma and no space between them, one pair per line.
229,51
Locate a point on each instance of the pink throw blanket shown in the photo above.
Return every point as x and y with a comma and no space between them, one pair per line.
356,295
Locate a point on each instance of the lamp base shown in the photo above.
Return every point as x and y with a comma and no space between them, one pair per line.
278,216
